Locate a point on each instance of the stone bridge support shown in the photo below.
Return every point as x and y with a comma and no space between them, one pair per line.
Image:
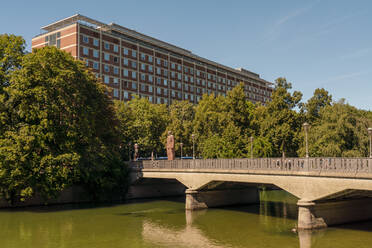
314,215
216,198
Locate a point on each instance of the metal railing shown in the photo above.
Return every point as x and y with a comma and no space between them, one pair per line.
325,166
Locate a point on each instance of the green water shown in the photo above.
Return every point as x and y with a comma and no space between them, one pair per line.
165,223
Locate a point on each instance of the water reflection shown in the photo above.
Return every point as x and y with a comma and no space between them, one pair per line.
193,236
166,224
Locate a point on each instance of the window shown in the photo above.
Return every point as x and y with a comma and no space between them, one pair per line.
134,74
95,53
85,39
116,48
191,71
179,76
125,73
186,70
165,92
116,93
158,100
173,65
158,71
143,67
179,85
197,73
158,61
143,77
134,54
150,68
173,93
134,85
165,63
106,56
116,80
173,74
125,61
179,67
158,80
134,64
125,51
165,82
143,56
143,87
158,91
107,46
150,59
116,70
85,51
191,79
95,42
166,73
86,62
186,87
95,65
116,59
106,79
186,78
150,88
150,98
150,79
173,83
126,95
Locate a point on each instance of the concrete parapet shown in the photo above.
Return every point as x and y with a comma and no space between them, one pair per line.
206,199
314,215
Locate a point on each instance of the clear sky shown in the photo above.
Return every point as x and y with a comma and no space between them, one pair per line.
314,44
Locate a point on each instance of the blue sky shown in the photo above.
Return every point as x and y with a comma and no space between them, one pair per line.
314,44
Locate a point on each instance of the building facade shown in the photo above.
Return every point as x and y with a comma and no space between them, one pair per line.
132,63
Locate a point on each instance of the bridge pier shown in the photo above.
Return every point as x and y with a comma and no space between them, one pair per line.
315,215
215,198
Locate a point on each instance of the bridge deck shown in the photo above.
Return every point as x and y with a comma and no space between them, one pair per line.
315,167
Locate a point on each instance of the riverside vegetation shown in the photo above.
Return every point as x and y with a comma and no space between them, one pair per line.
59,128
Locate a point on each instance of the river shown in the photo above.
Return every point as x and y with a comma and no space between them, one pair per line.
164,224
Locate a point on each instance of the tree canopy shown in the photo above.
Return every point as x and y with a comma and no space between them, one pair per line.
60,128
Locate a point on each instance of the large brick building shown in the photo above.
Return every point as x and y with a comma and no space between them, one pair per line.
132,63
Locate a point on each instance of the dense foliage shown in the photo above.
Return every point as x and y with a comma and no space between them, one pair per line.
223,125
58,129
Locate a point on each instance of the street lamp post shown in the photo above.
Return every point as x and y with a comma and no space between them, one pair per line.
193,146
181,145
251,146
370,141
306,128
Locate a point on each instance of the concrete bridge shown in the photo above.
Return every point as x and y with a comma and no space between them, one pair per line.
330,190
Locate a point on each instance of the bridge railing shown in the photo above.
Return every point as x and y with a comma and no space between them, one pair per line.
322,166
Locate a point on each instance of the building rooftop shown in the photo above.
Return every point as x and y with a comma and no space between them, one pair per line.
115,28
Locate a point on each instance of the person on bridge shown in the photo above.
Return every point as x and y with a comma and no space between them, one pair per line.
170,146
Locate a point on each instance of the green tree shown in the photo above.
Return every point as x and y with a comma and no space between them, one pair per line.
279,123
181,116
60,131
340,131
12,50
319,100
223,124
143,123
